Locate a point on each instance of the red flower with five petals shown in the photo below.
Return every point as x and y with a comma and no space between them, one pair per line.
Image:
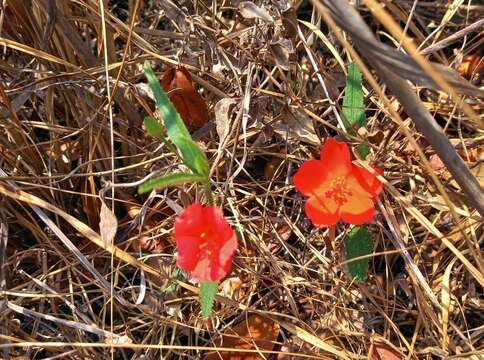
205,242
336,188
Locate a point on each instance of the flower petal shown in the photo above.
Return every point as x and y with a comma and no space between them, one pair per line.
227,250
209,269
358,210
205,242
188,252
321,201
358,219
367,180
226,247
322,213
191,221
309,176
335,156
220,224
203,270
358,185
219,272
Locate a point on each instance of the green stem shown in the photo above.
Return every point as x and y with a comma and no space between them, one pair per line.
208,192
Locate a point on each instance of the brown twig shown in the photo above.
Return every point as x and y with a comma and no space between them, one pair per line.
453,38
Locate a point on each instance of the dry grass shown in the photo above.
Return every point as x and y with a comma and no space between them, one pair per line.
66,294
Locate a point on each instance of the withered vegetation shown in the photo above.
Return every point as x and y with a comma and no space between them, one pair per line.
72,101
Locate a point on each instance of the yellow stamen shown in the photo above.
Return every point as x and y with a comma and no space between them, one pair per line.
339,191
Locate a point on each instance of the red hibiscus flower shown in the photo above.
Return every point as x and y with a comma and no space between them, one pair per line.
336,188
205,242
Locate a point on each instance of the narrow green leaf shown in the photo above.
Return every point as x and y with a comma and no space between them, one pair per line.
193,157
354,106
154,128
359,242
173,286
174,125
208,290
363,150
191,154
169,180
353,101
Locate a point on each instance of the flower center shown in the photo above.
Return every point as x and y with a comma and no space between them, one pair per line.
339,191
204,246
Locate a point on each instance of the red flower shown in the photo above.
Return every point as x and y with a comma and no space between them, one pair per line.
205,242
336,188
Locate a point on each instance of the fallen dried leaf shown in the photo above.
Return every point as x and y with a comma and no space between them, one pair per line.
187,101
108,224
289,22
436,163
297,123
230,287
472,154
470,65
222,116
382,351
249,10
259,108
175,14
281,51
255,332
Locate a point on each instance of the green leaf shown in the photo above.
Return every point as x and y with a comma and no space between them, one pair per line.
174,125
363,150
354,106
173,286
169,180
359,242
353,101
191,154
193,157
208,290
154,128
